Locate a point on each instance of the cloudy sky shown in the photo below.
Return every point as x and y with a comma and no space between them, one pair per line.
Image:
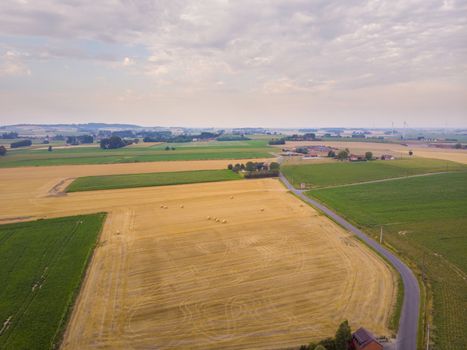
234,63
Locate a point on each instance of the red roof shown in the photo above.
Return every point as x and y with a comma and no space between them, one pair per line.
363,337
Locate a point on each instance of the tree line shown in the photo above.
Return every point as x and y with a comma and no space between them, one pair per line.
341,341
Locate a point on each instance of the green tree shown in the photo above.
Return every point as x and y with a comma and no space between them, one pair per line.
2,150
331,154
368,155
230,166
167,148
49,149
319,347
342,155
410,153
274,166
328,344
457,146
343,336
250,166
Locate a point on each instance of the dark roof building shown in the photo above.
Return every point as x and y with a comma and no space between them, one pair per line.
364,340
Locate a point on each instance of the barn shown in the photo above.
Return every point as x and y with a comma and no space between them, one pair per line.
364,340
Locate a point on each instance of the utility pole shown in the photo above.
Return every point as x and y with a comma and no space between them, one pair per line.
381,236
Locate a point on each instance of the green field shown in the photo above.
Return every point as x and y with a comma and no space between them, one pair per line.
340,173
109,182
41,267
95,155
425,220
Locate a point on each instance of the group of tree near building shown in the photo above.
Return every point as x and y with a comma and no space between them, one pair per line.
80,139
113,142
255,170
345,155
341,341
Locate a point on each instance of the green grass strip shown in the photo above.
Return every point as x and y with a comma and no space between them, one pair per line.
110,182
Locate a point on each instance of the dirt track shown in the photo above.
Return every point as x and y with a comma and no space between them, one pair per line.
276,274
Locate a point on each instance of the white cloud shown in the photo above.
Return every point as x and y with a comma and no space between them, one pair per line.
127,61
11,64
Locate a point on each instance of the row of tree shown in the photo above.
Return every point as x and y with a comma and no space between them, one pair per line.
341,341
232,137
166,136
22,143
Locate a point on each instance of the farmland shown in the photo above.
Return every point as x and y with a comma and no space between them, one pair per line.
92,183
163,274
424,219
397,149
339,173
140,153
41,267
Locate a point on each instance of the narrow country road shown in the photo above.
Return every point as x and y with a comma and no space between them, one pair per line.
408,323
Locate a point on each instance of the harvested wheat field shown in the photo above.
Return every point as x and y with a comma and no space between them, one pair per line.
30,183
263,272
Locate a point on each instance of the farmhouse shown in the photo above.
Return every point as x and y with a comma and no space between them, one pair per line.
387,157
311,156
364,340
356,158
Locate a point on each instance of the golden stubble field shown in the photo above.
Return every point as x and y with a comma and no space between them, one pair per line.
276,274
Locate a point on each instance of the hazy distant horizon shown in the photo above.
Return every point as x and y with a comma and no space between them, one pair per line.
232,63
395,127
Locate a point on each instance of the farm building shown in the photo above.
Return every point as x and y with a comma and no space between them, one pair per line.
387,157
364,340
356,158
311,156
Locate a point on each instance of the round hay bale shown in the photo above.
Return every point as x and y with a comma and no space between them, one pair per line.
231,197
209,218
181,206
224,221
262,209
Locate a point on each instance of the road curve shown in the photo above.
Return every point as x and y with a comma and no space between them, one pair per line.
408,323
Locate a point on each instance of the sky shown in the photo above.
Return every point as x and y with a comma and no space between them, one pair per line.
220,63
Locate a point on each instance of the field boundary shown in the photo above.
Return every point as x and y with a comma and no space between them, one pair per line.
61,331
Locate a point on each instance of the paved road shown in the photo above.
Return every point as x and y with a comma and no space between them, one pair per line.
408,324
